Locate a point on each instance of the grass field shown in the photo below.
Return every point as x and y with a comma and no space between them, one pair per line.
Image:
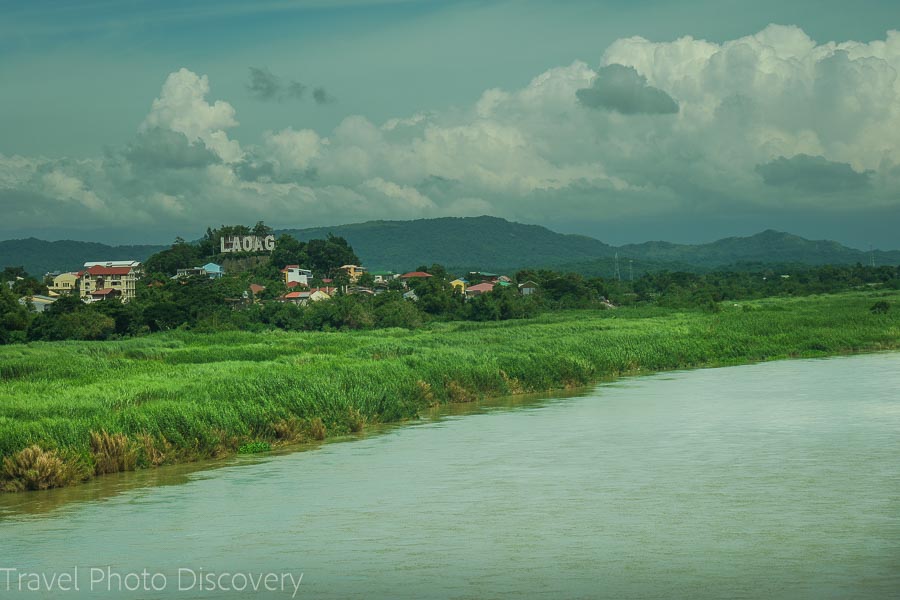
71,410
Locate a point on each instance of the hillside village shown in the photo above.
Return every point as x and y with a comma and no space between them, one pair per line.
240,277
101,281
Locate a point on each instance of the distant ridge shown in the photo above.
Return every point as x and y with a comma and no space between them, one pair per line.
769,246
471,242
494,244
39,256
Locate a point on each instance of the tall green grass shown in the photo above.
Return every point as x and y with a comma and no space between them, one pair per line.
181,396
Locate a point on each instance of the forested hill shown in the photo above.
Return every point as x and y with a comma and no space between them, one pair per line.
484,243
39,256
769,247
493,244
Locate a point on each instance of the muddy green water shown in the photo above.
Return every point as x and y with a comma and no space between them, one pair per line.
778,480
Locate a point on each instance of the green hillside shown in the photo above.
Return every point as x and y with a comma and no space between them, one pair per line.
769,247
493,244
39,256
485,243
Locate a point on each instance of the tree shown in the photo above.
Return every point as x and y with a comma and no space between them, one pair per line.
261,230
180,256
71,319
164,316
12,273
289,251
29,286
14,318
326,256
366,280
391,310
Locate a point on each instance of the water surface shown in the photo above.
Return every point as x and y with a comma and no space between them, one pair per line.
773,480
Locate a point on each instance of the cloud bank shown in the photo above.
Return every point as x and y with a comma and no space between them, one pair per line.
768,122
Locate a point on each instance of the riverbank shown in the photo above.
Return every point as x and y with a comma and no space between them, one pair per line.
73,410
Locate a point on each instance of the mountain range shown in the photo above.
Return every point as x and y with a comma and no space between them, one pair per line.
491,244
494,244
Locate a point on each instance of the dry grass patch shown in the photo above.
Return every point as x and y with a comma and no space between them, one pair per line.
317,429
112,452
152,452
355,420
34,468
457,393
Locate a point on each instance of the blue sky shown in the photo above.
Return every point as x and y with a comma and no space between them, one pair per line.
80,80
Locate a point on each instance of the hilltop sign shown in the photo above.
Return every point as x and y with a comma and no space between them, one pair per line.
246,243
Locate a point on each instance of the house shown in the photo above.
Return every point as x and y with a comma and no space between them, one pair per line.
65,283
459,285
411,295
383,276
213,270
479,289
528,288
294,297
318,295
354,272
118,275
105,294
415,275
256,290
38,303
192,272
483,277
294,274
305,297
329,291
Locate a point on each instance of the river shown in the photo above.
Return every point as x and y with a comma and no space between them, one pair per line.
775,480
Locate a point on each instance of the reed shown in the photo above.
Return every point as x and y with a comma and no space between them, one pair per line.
112,453
182,396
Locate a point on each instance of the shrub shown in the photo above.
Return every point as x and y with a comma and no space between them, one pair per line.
112,452
317,429
355,420
254,448
150,451
879,308
288,430
34,468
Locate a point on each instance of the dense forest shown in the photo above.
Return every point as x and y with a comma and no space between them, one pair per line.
202,304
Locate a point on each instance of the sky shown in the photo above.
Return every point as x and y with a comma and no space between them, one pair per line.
135,121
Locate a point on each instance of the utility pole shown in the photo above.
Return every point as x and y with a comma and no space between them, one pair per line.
618,274
630,270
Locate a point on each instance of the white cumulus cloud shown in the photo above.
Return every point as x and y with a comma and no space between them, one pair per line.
770,121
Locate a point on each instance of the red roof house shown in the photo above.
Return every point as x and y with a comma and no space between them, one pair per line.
481,288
